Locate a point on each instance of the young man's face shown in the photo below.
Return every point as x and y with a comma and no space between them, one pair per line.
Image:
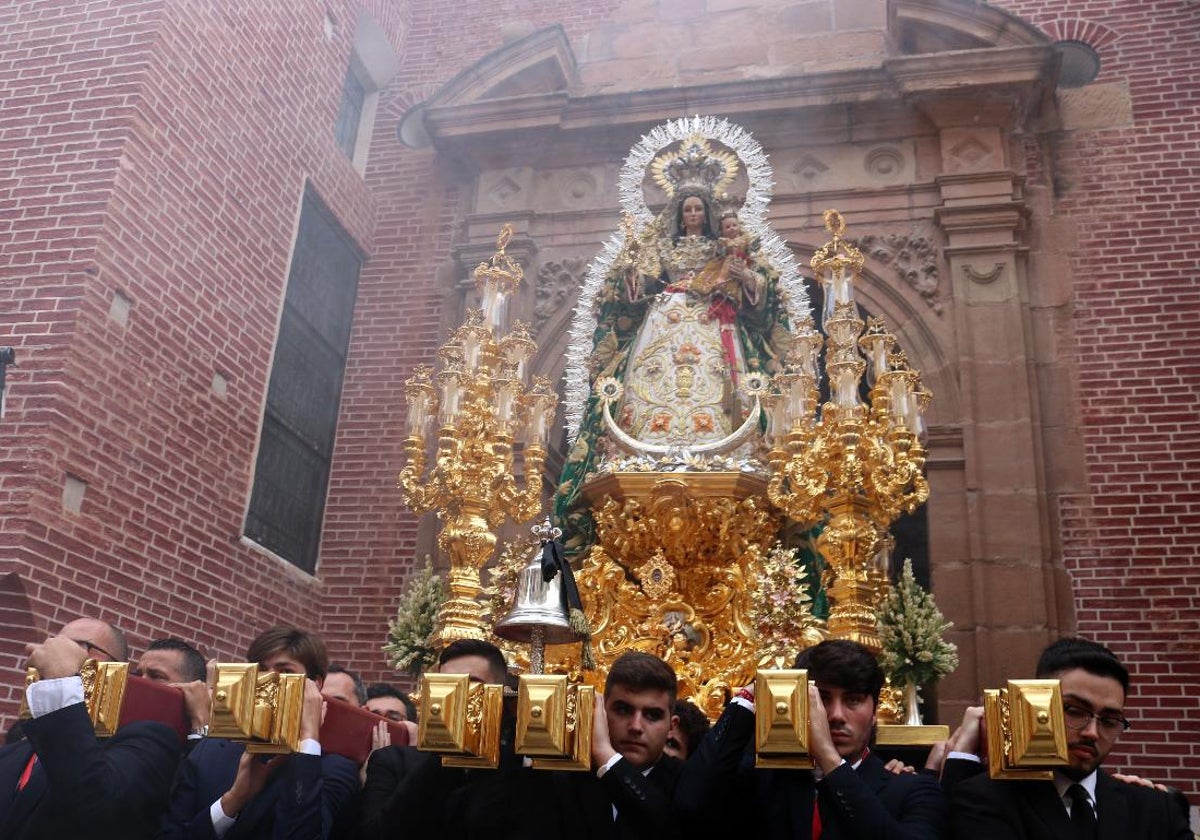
638,723
479,669
1102,696
281,662
851,716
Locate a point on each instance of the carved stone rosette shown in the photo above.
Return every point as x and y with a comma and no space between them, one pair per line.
672,573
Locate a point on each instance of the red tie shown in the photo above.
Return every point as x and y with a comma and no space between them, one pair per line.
816,826
27,772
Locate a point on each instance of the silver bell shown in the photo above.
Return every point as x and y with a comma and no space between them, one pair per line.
538,604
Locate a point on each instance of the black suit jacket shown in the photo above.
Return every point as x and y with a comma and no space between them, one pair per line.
643,802
987,809
409,793
719,783
303,800
82,786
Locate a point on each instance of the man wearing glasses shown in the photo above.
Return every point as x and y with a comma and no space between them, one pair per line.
1083,801
61,780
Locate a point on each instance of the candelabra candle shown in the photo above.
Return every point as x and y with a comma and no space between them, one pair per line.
837,288
845,388
472,341
899,397
883,557
877,342
505,388
490,302
420,395
539,404
775,409
806,346
921,397
451,383
495,310
517,348
801,398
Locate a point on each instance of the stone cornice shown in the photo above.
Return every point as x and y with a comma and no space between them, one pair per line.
1004,84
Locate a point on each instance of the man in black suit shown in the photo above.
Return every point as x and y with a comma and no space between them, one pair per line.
1083,801
61,780
175,662
850,796
628,796
224,792
409,793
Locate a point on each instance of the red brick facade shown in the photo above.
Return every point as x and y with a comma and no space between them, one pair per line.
1133,195
158,151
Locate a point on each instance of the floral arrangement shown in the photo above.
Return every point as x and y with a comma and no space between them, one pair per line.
911,628
781,608
407,645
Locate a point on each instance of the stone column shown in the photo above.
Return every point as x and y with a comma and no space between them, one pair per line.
1005,586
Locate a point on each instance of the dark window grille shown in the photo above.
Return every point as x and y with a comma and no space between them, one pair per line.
291,476
354,94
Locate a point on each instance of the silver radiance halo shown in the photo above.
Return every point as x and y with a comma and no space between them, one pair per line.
753,212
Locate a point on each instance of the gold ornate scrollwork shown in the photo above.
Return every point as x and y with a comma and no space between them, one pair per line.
671,574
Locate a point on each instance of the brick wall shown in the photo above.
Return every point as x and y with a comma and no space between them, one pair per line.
1133,194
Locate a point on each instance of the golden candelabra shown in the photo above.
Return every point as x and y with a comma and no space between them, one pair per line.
483,407
851,466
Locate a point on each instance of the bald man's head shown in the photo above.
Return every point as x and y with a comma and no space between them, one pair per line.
102,640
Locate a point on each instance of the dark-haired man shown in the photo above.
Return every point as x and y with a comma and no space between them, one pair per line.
387,701
849,795
411,792
175,662
171,660
628,796
222,791
1082,801
344,685
689,729
63,781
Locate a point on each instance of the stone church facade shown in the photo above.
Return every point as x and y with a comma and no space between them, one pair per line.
1022,178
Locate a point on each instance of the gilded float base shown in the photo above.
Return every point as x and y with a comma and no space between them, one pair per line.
672,573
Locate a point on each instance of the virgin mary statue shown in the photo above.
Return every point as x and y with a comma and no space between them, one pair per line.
682,317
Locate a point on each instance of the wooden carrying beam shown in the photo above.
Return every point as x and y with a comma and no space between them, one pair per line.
554,722
460,720
1026,734
781,719
114,699
347,731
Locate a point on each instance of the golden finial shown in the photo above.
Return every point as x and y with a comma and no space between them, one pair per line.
834,223
502,270
502,240
836,250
